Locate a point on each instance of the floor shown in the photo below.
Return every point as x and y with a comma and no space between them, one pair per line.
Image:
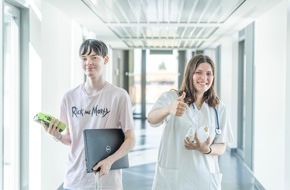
140,175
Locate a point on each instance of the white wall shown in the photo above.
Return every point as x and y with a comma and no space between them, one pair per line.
229,83
270,127
287,102
56,64
270,76
54,68
1,95
34,96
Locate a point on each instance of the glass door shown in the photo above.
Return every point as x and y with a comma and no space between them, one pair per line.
161,75
11,97
152,73
135,81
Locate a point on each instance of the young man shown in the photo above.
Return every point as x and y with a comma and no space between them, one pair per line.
93,104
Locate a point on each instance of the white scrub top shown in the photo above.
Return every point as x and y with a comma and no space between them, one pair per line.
178,168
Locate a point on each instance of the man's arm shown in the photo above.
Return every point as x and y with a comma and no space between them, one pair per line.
128,144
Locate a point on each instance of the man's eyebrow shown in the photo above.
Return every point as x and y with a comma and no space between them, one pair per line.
90,55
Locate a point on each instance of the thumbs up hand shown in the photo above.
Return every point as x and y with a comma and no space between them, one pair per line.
178,107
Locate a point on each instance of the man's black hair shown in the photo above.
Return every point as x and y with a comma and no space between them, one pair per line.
89,45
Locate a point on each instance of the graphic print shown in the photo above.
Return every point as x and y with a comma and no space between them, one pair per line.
95,111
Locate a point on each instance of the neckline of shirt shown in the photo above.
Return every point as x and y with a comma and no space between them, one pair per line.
95,94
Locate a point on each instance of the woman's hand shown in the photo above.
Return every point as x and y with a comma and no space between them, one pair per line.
197,145
178,107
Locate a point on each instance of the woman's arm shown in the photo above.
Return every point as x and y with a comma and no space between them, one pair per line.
176,108
205,147
217,149
158,115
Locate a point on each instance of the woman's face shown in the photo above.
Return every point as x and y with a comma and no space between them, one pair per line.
203,78
93,64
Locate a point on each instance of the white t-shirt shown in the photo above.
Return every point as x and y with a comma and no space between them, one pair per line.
109,108
179,168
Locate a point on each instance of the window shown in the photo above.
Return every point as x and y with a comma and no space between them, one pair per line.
11,96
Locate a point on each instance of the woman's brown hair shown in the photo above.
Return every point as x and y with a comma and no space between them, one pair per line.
209,96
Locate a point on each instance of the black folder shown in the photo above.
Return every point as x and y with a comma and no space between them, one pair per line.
101,143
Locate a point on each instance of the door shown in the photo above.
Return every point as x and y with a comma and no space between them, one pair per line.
152,73
241,99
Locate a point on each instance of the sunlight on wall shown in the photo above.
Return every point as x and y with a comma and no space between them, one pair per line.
35,130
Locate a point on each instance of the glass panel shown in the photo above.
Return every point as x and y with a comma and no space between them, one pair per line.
161,76
11,98
135,83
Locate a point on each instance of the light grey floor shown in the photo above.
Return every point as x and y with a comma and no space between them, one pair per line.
140,175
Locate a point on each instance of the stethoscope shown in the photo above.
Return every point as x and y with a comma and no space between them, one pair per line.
218,130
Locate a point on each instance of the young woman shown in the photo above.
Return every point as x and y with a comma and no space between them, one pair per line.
183,163
93,104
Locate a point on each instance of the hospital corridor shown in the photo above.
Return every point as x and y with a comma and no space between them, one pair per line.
145,50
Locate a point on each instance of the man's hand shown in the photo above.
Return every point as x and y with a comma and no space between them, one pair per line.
105,167
53,128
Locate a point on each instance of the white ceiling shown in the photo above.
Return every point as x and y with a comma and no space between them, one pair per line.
163,24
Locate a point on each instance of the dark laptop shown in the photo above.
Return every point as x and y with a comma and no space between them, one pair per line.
101,143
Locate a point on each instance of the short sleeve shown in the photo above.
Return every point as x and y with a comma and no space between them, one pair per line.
226,135
164,100
125,112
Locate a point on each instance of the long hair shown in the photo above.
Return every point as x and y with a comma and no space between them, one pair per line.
209,96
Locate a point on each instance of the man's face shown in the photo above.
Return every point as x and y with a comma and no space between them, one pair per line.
93,64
